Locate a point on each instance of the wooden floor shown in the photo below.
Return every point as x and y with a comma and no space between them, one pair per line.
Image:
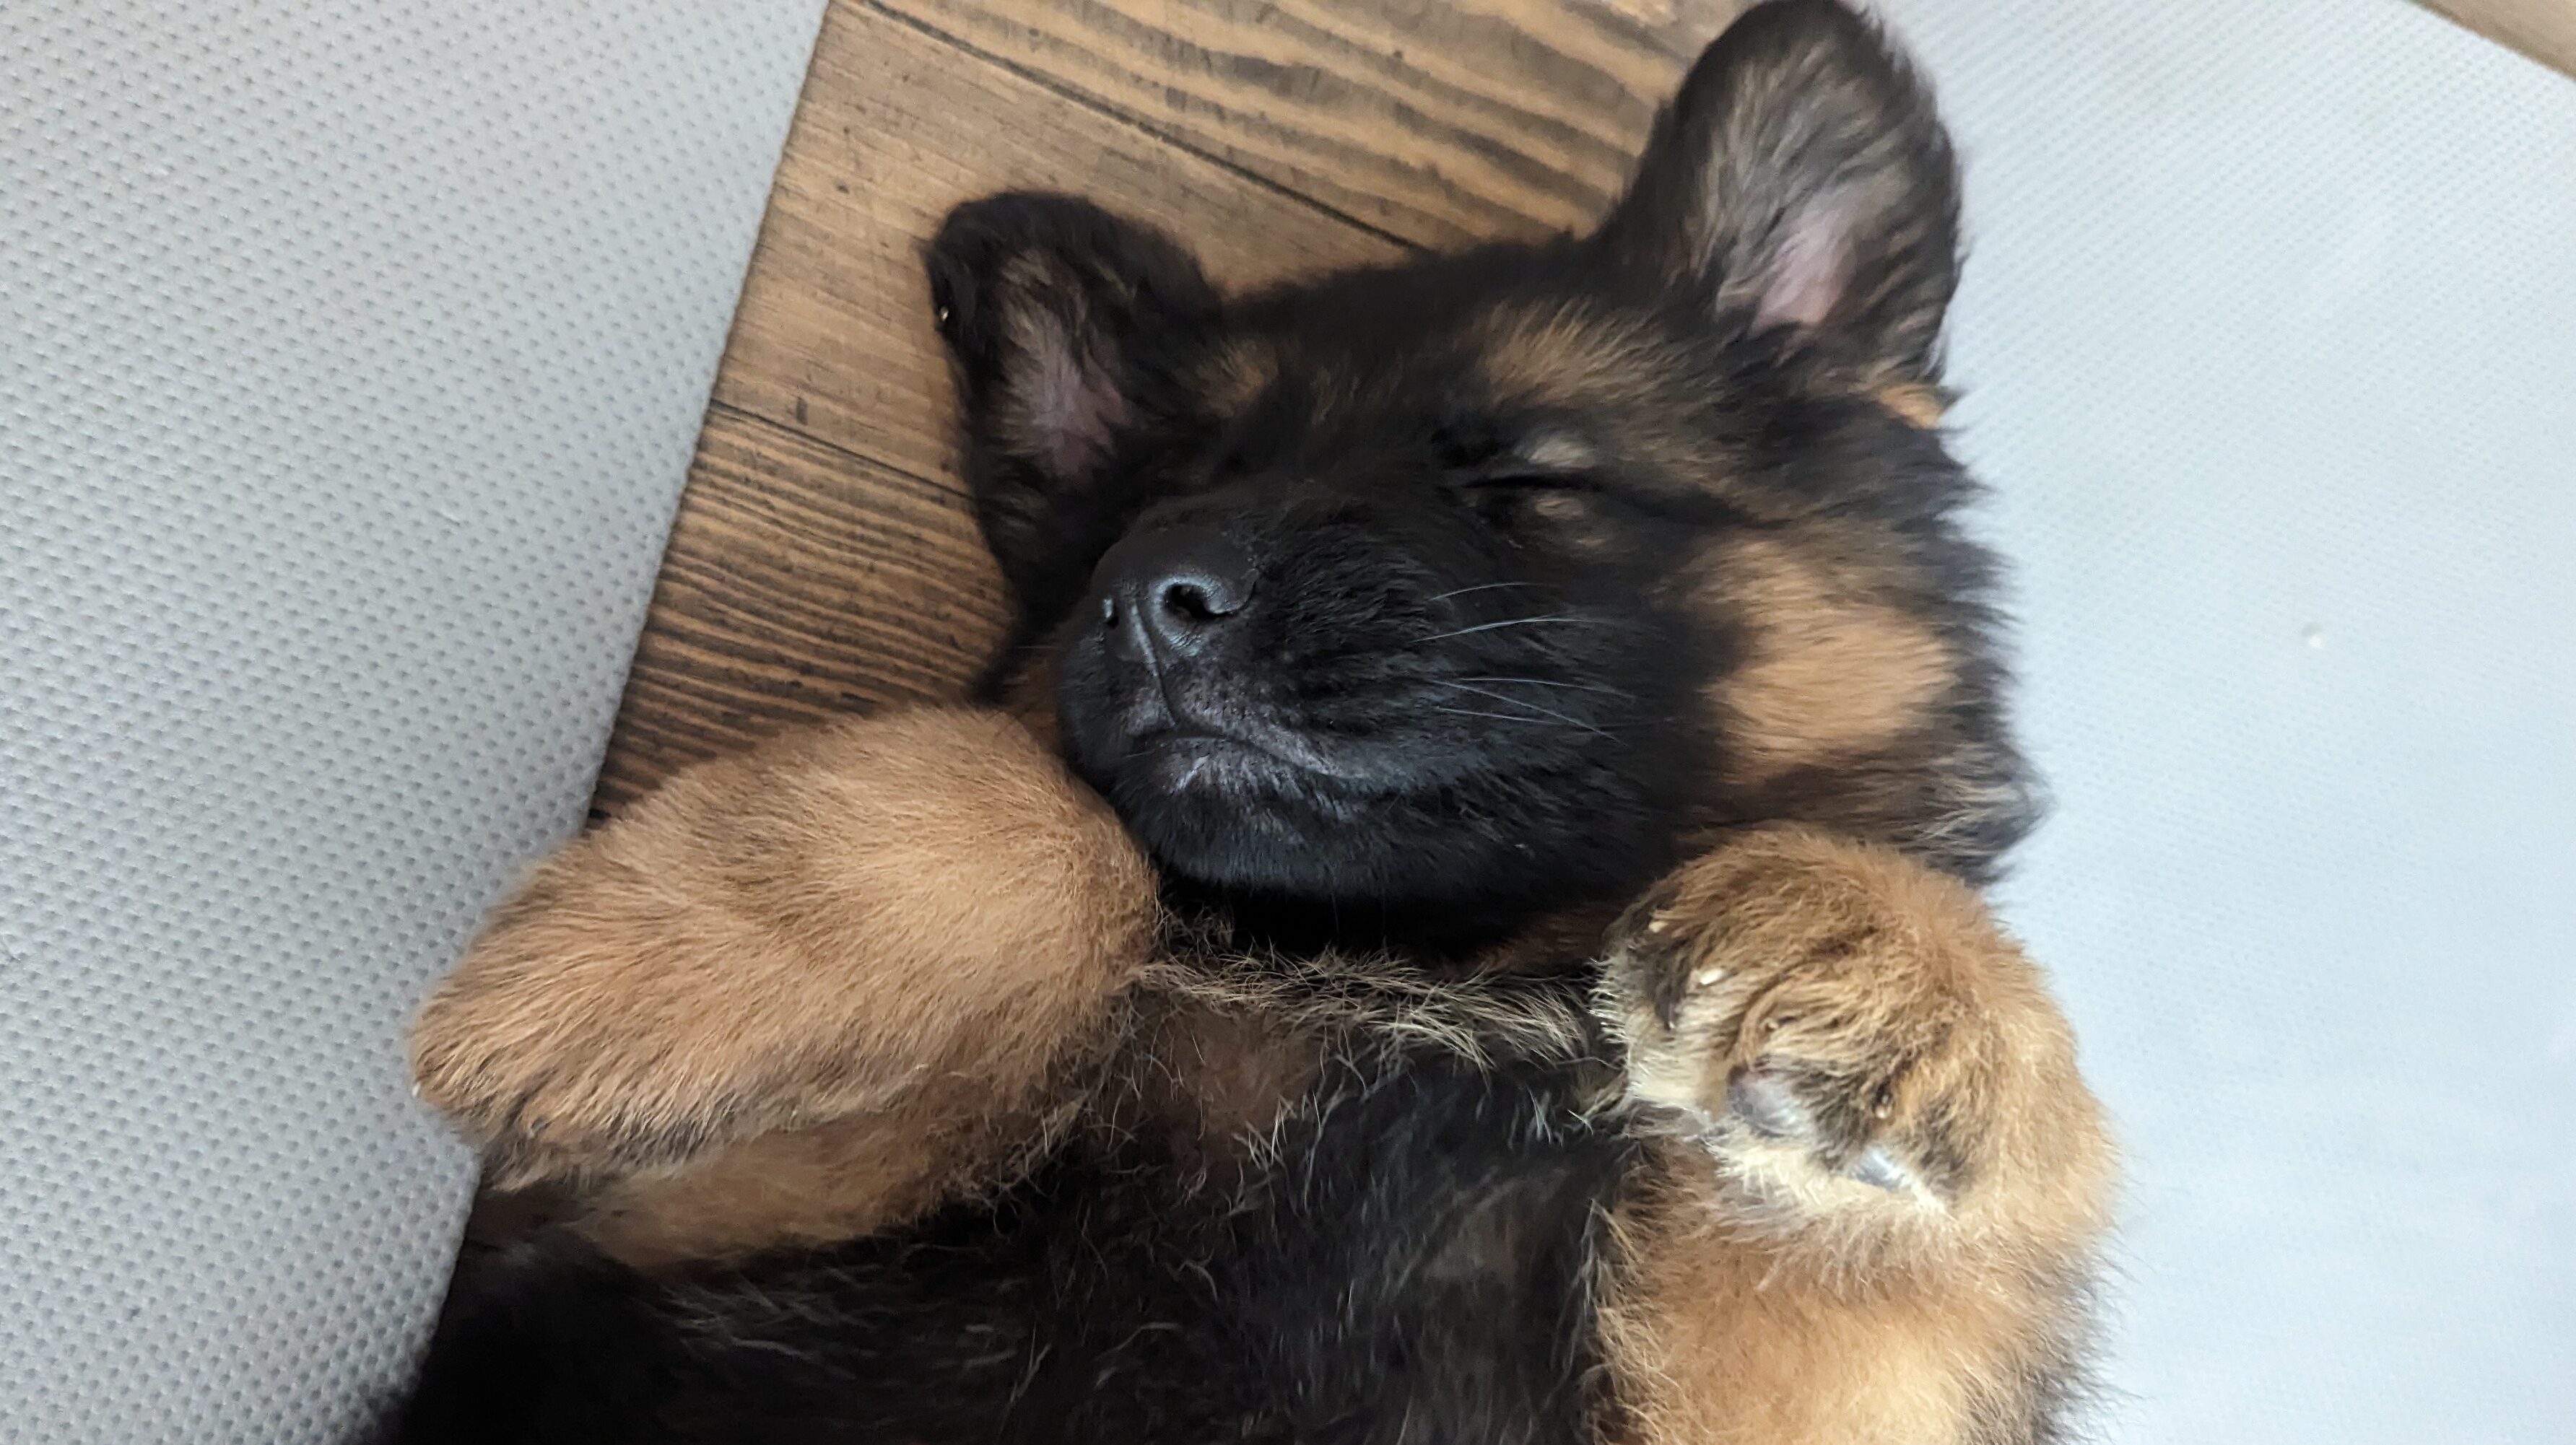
825,559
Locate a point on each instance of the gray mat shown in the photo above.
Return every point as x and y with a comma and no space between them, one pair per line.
350,361
2270,341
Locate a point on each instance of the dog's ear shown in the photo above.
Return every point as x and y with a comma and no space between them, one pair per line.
1801,178
1069,331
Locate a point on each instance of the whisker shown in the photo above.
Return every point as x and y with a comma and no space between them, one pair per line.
1544,682
1479,587
1496,716
1533,707
1507,622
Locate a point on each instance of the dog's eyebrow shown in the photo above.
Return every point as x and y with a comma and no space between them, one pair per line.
1556,451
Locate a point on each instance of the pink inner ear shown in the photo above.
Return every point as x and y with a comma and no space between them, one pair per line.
1073,412
1809,271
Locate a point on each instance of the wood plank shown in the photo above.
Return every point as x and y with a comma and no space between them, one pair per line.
801,581
1437,121
2545,30
833,337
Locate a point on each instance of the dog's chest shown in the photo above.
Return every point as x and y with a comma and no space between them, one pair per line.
1410,1241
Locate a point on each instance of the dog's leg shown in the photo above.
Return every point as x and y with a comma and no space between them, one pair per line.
1876,1180
863,956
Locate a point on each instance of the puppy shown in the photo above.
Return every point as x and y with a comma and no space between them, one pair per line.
1454,921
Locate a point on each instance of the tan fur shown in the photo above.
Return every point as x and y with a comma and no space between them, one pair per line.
1829,673
1235,373
1573,521
1569,358
1623,378
1758,1291
1559,452
816,1185
1712,1342
1608,368
1913,404
1360,1000
914,917
962,1132
1210,1048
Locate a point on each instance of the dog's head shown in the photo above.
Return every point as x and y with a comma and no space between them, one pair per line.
1485,581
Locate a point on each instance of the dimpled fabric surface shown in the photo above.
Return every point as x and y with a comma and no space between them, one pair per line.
2269,342
350,363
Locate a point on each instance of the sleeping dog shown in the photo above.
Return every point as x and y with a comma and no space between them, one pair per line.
1455,919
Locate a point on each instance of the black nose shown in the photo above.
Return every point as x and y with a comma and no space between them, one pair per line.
1171,589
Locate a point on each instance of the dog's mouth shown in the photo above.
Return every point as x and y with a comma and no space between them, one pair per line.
1340,766
1190,749
1186,759
1235,731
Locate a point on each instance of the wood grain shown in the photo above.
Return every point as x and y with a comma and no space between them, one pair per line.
800,581
1436,121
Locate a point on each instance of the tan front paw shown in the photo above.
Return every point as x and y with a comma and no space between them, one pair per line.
832,923
1846,1034
573,1046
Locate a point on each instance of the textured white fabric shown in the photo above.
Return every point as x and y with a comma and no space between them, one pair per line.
2270,345
350,361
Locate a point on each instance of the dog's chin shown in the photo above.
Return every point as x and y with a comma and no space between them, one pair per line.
1238,818
1208,766
1235,815
1251,808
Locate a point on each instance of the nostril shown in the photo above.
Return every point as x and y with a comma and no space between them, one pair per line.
1172,588
1189,601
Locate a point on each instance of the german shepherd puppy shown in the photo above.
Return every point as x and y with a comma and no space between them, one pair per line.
1456,923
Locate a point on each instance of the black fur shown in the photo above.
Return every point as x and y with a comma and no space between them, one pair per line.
1366,646
1418,1274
